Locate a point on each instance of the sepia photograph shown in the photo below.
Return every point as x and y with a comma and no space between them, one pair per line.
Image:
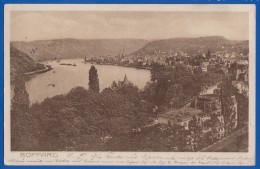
137,81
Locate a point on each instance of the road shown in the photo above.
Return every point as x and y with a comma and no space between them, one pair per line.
225,142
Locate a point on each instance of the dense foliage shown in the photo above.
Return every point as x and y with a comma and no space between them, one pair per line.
81,119
169,82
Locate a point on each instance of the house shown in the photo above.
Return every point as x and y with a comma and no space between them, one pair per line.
166,119
243,62
161,61
130,61
183,121
243,76
209,103
241,87
140,60
204,66
212,65
180,117
123,60
242,70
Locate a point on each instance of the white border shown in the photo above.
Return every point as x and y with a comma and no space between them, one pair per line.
130,158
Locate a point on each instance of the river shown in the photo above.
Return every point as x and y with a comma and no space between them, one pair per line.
64,78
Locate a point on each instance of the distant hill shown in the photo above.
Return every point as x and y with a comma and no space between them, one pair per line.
21,62
43,50
193,45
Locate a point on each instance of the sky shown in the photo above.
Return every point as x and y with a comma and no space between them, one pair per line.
29,26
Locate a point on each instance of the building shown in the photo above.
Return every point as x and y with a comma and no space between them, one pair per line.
180,117
242,70
212,65
130,61
183,120
124,82
204,66
161,61
209,103
241,87
206,110
166,119
242,74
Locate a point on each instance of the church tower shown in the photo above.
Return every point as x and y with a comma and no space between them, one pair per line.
126,81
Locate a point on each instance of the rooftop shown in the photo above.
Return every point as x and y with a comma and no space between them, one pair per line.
235,82
184,111
184,118
242,62
208,97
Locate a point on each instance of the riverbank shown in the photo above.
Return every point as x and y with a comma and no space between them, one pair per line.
115,64
46,69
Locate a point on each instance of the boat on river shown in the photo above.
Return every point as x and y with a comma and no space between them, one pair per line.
68,64
53,85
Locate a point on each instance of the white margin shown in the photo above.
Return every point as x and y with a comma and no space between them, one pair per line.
106,158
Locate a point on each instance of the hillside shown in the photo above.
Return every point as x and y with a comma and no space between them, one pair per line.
43,50
194,45
21,62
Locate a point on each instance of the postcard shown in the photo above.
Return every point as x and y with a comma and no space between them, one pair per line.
128,85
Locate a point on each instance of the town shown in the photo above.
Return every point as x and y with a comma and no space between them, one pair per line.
200,117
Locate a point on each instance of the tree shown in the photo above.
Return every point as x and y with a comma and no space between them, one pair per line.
164,77
233,68
158,72
215,125
19,114
149,92
93,79
114,86
196,133
208,54
242,109
160,92
174,95
227,90
20,99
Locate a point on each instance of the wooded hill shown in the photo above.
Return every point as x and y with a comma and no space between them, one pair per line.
43,50
21,62
194,45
